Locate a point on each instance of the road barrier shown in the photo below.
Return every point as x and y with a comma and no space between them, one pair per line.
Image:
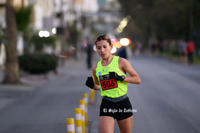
81,115
70,125
92,96
78,118
82,106
85,98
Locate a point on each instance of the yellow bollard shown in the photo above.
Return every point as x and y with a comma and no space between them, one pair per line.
82,106
78,117
70,125
92,96
85,98
83,121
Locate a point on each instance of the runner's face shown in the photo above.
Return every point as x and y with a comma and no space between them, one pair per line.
103,48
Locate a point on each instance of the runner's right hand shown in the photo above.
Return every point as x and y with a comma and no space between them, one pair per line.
90,82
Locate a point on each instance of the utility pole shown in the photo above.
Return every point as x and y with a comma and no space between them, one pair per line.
63,32
191,18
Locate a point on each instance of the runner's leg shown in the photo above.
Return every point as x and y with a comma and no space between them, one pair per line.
126,125
107,124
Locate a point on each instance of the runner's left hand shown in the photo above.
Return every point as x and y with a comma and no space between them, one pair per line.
114,75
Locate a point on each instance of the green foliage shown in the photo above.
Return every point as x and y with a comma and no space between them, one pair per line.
196,60
172,18
39,42
161,18
37,63
175,53
2,37
23,17
196,12
73,36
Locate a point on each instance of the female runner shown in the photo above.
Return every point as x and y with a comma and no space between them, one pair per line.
110,77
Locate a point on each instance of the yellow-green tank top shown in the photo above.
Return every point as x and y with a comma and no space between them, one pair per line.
110,87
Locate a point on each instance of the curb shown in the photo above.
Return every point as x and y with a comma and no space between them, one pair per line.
16,88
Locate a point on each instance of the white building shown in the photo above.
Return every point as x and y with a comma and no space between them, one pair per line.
45,12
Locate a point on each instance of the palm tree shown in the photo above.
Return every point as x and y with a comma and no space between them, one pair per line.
12,67
23,20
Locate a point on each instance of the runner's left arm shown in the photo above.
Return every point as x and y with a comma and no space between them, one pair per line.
127,67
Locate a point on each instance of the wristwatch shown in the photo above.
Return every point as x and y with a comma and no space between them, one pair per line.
123,77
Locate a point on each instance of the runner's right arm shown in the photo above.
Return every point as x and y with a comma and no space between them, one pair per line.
96,82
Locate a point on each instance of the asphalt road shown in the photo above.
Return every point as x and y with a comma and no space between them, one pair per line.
166,101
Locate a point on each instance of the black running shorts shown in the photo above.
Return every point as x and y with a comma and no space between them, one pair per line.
119,110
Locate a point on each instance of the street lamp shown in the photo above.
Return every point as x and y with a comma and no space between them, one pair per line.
125,41
44,33
54,31
114,50
123,24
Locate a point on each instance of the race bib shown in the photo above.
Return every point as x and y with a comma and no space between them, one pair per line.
107,83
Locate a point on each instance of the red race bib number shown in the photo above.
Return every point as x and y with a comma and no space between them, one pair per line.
108,84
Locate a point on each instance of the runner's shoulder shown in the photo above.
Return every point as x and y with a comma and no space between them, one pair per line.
121,61
94,68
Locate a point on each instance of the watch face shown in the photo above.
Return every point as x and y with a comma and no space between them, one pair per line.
123,77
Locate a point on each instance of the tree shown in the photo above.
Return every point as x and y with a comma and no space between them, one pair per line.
73,33
142,25
40,42
12,67
23,20
23,17
161,18
172,18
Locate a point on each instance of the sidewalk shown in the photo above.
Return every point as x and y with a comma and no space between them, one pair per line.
10,94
